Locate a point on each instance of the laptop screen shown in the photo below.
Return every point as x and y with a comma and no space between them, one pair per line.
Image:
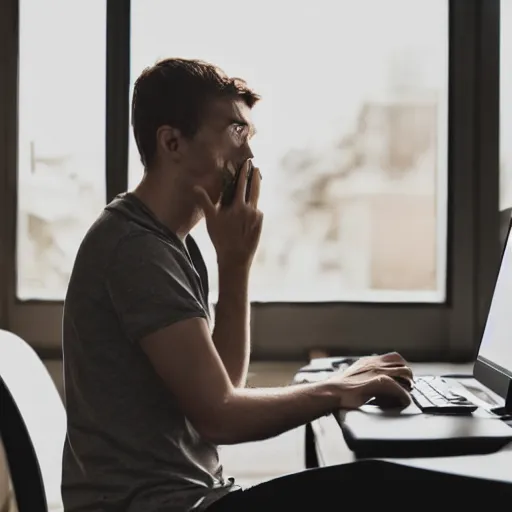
496,346
494,363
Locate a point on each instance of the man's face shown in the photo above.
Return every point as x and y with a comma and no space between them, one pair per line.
220,146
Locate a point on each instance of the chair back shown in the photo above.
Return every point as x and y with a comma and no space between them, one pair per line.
34,415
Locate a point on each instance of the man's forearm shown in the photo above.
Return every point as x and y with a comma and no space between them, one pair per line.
256,414
231,334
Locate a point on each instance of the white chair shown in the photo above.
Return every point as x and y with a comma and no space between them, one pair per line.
41,408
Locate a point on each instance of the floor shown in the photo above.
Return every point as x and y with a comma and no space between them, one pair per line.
252,463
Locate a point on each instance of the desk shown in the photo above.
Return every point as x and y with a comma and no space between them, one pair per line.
325,445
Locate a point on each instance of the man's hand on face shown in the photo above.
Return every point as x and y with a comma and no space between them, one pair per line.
375,376
235,231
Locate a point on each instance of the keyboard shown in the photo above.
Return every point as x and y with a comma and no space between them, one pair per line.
433,395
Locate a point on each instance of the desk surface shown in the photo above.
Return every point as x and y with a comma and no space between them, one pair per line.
332,450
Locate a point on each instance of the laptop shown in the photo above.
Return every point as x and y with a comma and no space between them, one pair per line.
449,416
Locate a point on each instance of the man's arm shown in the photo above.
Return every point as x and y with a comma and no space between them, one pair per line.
185,357
231,334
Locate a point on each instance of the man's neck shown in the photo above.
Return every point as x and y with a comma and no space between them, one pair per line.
172,206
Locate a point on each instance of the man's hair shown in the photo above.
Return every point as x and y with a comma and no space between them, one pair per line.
175,92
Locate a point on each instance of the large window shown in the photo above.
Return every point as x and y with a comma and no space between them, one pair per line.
61,145
377,140
352,137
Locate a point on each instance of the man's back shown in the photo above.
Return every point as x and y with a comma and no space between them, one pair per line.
129,446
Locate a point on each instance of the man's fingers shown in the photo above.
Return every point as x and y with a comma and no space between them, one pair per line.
254,193
241,184
398,371
392,357
384,387
204,201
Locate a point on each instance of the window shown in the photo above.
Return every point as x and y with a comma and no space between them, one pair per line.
61,144
352,138
505,107
352,142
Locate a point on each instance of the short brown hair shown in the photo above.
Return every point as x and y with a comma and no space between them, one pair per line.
175,92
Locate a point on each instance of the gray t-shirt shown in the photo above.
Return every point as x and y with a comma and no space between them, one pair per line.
129,446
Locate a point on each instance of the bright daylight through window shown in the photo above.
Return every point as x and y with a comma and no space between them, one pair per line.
61,145
352,137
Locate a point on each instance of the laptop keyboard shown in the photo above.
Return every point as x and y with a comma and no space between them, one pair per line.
434,396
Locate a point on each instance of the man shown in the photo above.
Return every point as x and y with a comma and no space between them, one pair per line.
151,389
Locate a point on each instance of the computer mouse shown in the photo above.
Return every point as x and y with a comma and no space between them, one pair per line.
387,402
390,401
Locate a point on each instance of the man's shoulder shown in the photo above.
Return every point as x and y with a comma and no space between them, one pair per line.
103,236
115,233
110,234
116,247
139,252
126,229
148,246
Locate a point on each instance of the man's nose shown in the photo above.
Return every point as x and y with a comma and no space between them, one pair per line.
247,152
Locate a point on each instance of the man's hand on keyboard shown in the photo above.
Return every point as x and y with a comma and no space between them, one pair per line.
374,376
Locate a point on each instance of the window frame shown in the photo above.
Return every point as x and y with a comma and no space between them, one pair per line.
448,331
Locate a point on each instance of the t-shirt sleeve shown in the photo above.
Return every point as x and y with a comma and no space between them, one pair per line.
150,286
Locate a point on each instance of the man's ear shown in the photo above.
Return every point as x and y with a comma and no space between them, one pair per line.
169,141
